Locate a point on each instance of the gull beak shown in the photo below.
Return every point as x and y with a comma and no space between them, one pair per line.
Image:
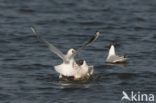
125,56
75,53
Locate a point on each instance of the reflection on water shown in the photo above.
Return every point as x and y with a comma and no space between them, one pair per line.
73,86
118,64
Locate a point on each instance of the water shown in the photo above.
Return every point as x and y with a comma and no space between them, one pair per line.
26,65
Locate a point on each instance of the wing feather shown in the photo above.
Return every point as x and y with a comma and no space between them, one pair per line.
90,41
51,46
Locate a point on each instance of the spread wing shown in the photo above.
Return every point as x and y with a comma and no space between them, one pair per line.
51,46
90,41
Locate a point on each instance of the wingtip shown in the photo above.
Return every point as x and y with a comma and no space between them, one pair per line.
34,31
31,27
97,33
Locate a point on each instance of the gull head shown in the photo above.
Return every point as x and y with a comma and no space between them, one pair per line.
71,52
112,45
109,46
80,62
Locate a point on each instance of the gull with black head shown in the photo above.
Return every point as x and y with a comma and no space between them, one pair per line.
113,58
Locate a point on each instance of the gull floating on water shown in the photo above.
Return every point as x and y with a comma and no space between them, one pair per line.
84,70
113,58
69,68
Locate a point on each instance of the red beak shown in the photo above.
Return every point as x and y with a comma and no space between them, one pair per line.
76,54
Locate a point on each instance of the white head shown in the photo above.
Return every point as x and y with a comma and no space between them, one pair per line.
71,53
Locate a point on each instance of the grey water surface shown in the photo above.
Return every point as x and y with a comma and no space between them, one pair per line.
26,65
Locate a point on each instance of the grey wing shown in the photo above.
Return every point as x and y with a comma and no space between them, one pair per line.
90,41
51,47
91,70
116,59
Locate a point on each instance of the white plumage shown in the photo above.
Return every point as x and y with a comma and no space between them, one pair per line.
69,67
113,58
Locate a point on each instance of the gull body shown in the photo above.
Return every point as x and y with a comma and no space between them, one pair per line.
84,71
67,68
113,58
75,71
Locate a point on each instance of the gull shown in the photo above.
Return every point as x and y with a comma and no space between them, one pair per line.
113,58
84,71
69,68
